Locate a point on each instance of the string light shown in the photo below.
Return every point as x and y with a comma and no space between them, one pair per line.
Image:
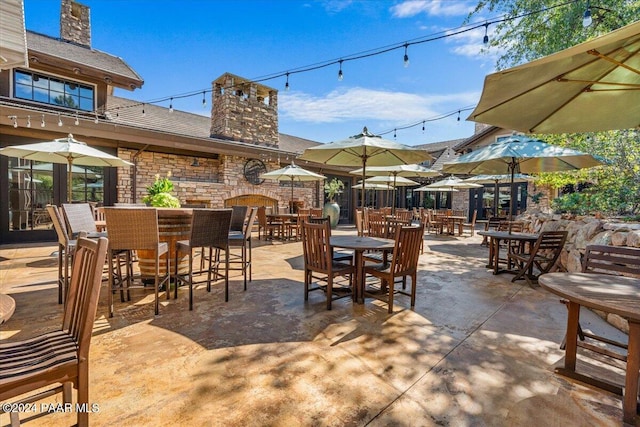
340,75
204,101
28,121
423,126
76,122
458,115
60,120
485,40
286,85
42,123
406,56
171,105
15,121
394,134
95,120
143,113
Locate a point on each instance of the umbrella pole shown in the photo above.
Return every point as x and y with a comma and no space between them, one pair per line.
393,206
496,199
512,166
69,178
364,175
291,203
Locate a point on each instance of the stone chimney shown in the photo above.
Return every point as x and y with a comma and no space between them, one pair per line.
75,23
245,111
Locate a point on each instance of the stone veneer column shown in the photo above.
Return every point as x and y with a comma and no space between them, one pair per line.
75,23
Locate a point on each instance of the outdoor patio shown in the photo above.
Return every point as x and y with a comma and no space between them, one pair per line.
477,350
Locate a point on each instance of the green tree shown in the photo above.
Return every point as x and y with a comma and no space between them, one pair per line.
535,28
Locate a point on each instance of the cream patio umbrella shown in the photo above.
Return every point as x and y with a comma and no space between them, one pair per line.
375,186
292,173
520,154
393,181
406,171
496,179
365,149
67,151
593,86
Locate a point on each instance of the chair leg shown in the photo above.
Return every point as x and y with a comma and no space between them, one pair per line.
390,287
329,293
226,274
83,393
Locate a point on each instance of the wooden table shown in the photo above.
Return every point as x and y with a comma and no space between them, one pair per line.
612,294
494,245
359,244
285,218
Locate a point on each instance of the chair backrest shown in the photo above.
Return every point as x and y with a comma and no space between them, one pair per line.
79,217
514,226
317,212
377,225
132,228
404,214
210,228
359,221
318,220
615,260
58,225
262,216
84,290
406,250
246,231
315,245
238,215
550,243
98,213
458,212
494,222
474,216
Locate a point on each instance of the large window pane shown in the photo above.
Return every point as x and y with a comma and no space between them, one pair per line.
30,190
54,91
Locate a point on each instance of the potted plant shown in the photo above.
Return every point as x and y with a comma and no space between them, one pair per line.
159,193
331,208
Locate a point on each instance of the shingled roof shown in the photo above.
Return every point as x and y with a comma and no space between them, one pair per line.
85,58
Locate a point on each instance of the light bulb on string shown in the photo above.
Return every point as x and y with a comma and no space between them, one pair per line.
76,122
42,123
423,126
394,134
485,39
59,120
171,105
28,121
340,75
458,115
406,56
286,85
143,113
15,121
95,120
204,101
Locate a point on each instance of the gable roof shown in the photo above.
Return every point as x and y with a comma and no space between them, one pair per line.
88,61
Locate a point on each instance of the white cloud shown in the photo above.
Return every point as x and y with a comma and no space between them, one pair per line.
408,9
361,103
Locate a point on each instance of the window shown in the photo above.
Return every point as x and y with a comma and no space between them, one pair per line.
502,137
52,90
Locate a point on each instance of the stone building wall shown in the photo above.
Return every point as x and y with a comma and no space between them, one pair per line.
212,182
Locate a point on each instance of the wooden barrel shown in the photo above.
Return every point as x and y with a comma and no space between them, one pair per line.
173,225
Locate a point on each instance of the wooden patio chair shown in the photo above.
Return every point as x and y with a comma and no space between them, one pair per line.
243,241
315,212
404,263
66,248
470,225
542,256
209,230
320,265
135,229
613,260
59,360
267,229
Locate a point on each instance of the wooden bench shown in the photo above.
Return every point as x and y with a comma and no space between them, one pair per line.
252,200
612,260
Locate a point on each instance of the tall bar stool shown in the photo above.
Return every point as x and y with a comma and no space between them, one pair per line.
243,241
209,230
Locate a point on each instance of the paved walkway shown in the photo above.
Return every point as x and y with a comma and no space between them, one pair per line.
477,349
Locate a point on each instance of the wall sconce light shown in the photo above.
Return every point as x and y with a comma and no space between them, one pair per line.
76,70
108,80
195,162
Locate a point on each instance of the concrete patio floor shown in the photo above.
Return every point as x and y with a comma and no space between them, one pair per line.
477,350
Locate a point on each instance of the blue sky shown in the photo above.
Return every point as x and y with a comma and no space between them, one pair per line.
181,46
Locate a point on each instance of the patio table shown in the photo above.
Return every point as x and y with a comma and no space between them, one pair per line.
494,246
359,244
612,294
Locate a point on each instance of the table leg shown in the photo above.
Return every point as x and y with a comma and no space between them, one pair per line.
630,399
572,337
496,255
359,279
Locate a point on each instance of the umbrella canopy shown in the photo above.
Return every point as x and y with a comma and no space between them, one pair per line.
495,179
436,189
590,87
292,173
520,154
67,151
365,149
47,168
451,183
373,186
395,181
